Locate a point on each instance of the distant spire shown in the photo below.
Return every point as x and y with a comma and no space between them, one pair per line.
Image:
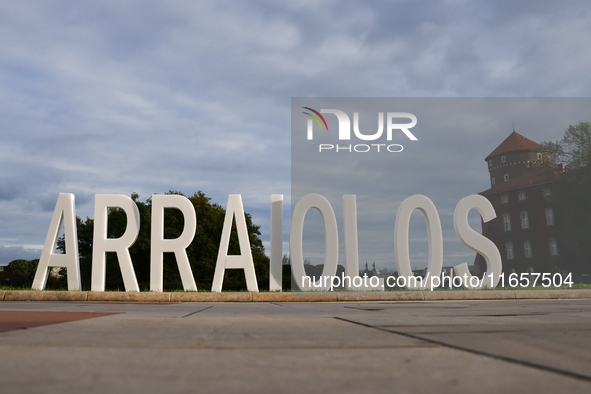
513,125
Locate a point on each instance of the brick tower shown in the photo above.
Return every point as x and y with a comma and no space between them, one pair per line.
522,178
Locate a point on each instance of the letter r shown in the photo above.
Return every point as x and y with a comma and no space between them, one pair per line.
401,126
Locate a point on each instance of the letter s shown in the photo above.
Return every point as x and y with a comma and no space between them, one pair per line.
476,241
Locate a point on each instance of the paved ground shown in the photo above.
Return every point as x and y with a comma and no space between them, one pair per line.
512,346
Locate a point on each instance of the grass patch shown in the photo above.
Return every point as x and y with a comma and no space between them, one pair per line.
7,287
28,288
564,287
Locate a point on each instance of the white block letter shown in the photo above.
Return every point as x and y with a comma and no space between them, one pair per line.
477,242
371,137
65,212
344,122
101,244
401,126
351,239
178,245
331,239
244,259
426,206
276,268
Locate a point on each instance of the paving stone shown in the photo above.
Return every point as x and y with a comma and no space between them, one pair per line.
46,295
128,296
272,297
380,295
24,295
293,347
211,296
469,295
313,296
22,320
553,294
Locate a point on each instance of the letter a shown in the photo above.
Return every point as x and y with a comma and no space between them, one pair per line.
244,259
65,212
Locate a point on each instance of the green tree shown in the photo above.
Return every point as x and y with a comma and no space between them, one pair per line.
20,273
25,267
574,149
573,210
202,252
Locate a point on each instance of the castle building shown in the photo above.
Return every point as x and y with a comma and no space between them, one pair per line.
523,179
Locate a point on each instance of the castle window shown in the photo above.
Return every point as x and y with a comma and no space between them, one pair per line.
503,159
547,192
521,196
504,199
507,222
527,248
492,181
539,156
506,177
549,216
524,220
509,246
490,163
553,247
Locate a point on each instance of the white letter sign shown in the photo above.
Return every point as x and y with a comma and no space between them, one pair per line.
331,239
65,212
426,206
276,261
244,259
476,241
178,245
101,244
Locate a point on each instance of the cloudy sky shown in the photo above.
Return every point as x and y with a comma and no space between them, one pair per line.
135,96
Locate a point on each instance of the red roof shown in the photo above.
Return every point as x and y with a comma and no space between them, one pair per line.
515,142
531,178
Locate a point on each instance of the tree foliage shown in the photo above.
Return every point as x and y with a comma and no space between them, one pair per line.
25,267
202,252
574,149
20,273
573,208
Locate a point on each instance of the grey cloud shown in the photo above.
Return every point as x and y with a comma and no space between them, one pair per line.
11,253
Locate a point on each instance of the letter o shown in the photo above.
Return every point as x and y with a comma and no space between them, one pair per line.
371,281
331,238
365,145
360,281
395,151
426,206
403,281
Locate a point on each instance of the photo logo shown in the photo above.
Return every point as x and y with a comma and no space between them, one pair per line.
392,124
316,119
